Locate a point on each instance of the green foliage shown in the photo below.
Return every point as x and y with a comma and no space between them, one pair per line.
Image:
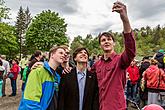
46,30
4,11
89,42
148,41
8,41
22,23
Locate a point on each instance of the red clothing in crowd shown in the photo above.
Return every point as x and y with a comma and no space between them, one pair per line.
155,78
133,74
111,75
15,70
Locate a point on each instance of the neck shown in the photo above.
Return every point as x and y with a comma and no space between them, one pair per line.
81,66
107,54
53,64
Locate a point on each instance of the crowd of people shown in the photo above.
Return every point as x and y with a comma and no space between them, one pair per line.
146,80
61,81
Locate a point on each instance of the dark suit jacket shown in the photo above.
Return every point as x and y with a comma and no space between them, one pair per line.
69,92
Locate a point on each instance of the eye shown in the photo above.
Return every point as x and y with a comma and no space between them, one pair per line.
85,52
61,52
102,40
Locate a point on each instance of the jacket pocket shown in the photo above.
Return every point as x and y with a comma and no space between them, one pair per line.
99,74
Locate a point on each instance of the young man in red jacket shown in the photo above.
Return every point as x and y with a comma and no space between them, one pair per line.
111,68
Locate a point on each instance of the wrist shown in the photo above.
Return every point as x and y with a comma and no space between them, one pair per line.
125,19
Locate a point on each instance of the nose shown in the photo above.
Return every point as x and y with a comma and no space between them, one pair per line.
84,54
65,54
106,40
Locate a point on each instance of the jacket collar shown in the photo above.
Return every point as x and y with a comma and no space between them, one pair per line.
110,57
47,67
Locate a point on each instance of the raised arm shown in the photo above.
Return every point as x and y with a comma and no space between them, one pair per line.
129,41
122,10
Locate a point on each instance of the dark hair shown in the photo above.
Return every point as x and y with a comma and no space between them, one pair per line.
16,61
106,34
37,53
54,49
77,51
1,63
31,58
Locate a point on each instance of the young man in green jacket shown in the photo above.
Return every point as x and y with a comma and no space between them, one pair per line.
42,84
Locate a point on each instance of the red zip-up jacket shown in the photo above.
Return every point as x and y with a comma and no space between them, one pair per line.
15,70
155,78
133,74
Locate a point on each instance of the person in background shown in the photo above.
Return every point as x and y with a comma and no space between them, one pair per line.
132,83
145,63
22,64
36,57
13,74
2,71
152,107
154,78
7,69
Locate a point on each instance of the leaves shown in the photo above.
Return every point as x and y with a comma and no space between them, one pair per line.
4,11
8,40
47,29
148,41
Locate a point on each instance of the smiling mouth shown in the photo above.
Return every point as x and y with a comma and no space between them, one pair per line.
83,57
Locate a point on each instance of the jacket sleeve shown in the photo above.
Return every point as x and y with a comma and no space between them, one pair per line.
130,49
33,91
96,95
61,97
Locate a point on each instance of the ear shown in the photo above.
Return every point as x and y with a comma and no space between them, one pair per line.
100,46
74,59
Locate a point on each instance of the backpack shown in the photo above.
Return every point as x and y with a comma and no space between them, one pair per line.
25,73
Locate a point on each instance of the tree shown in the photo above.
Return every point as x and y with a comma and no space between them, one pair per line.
28,17
77,42
4,11
23,20
20,28
89,42
8,40
47,29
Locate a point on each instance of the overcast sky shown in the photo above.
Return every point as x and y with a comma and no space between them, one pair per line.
94,16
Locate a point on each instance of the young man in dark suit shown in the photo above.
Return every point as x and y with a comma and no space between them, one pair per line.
79,89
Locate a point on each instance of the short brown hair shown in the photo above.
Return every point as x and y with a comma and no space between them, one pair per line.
153,62
106,34
54,49
65,47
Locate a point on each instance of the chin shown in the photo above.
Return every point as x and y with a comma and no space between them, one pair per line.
84,61
60,62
